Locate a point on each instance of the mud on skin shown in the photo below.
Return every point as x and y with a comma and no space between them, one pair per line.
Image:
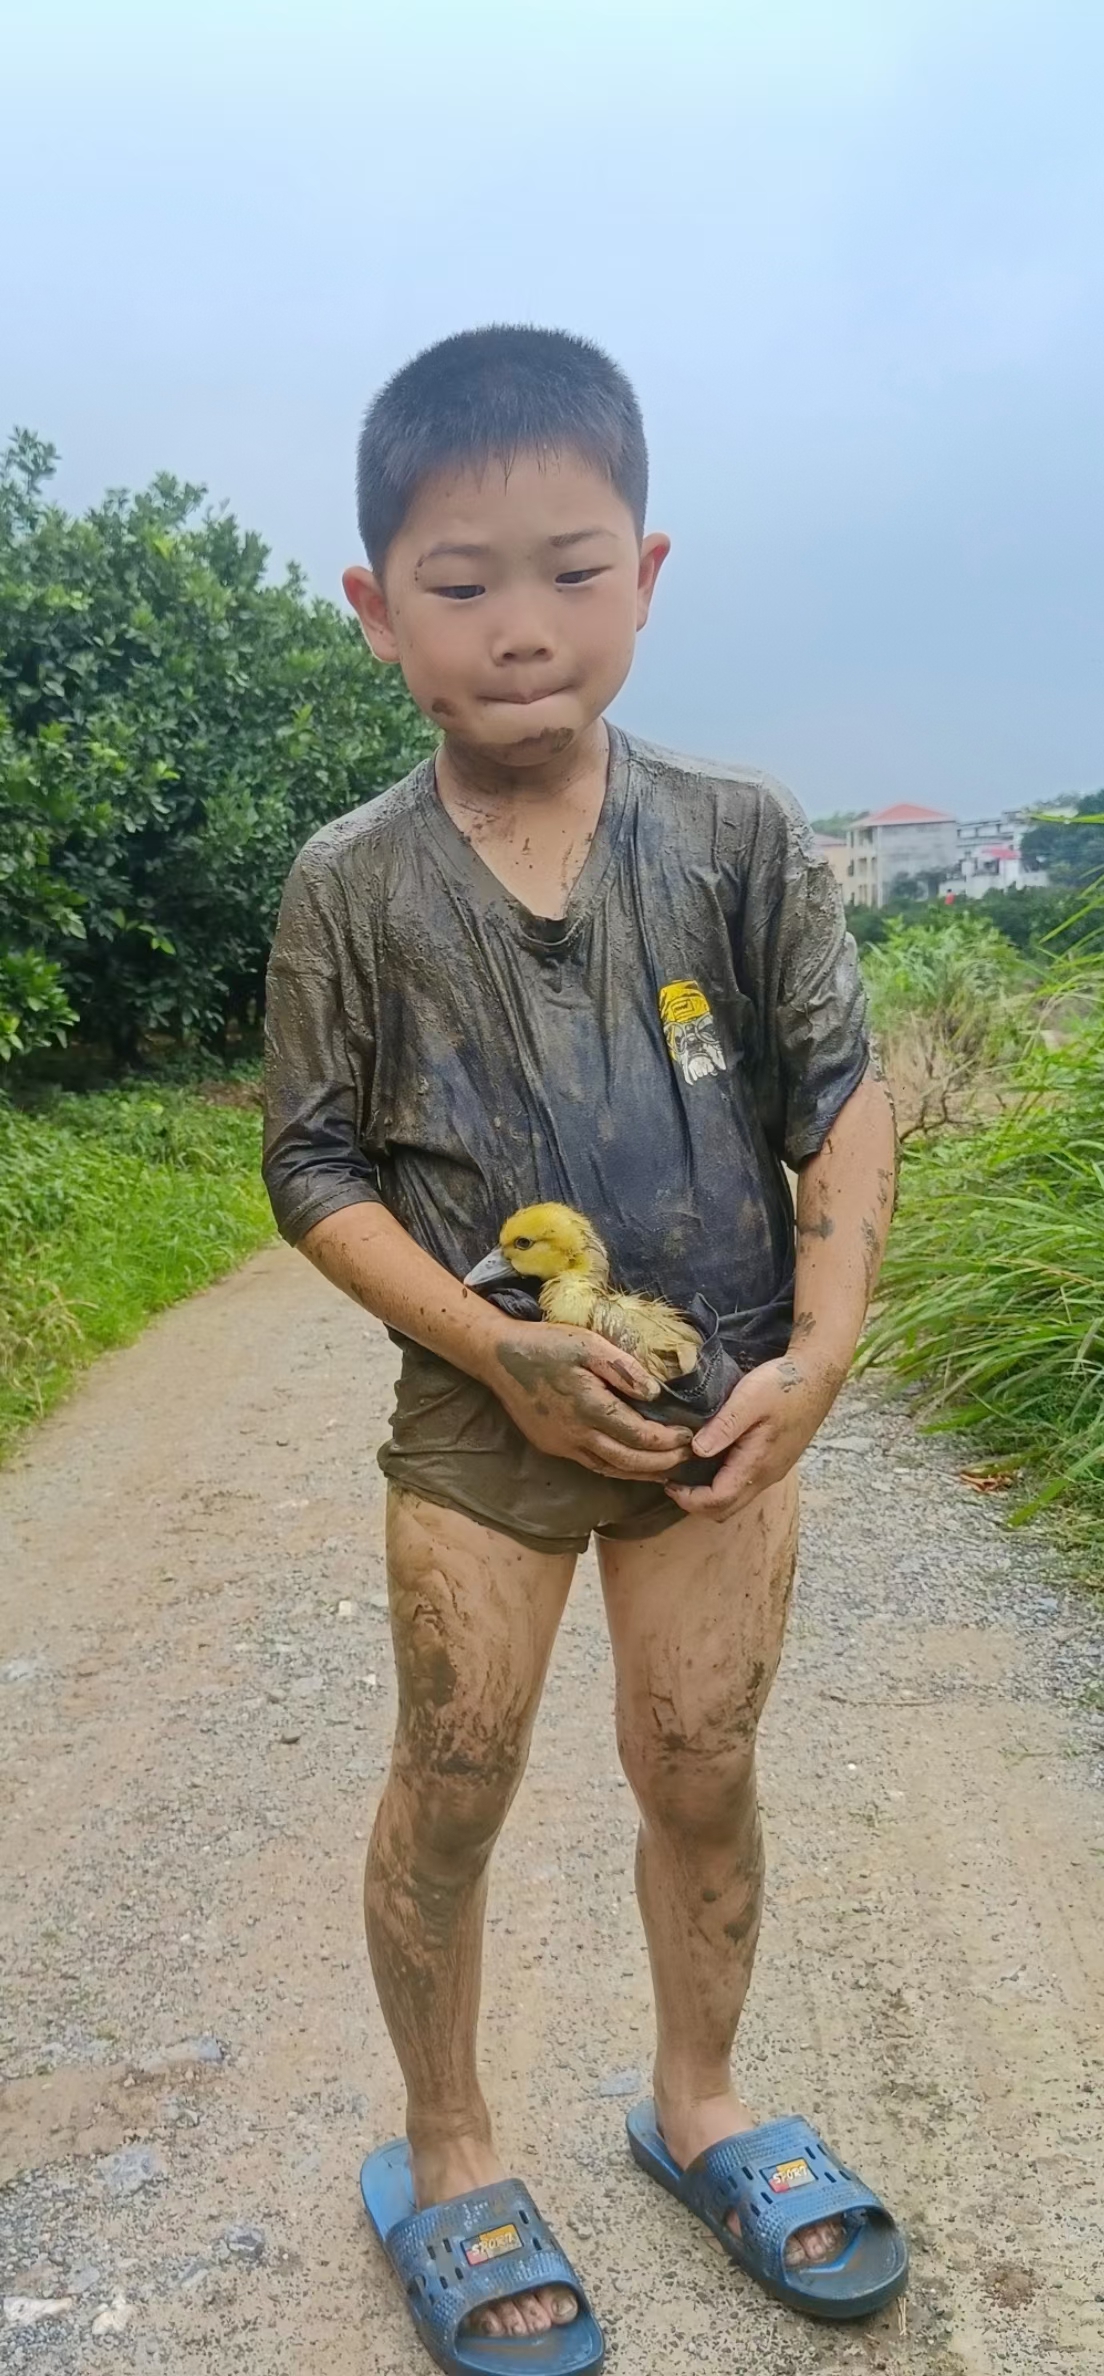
555,1368
949,1659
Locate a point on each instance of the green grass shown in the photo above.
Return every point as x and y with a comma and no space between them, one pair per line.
965,980
994,1281
953,1009
113,1206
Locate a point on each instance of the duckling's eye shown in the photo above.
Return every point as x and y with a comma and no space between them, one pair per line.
523,1244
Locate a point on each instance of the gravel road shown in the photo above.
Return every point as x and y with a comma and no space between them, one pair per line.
195,1703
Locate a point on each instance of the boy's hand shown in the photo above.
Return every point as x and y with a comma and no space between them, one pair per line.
768,1420
555,1382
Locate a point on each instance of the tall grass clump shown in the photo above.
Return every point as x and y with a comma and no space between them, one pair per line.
113,1206
994,1281
952,1010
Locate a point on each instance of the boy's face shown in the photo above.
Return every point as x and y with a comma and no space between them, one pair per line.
511,600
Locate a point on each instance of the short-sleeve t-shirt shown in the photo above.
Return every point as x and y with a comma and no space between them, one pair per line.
694,1021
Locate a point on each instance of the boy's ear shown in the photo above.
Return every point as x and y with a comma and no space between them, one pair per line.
364,591
653,553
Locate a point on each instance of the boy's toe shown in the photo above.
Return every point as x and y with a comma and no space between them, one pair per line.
824,2241
522,2315
526,2314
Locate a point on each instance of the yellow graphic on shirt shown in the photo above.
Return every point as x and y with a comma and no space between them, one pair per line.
689,1030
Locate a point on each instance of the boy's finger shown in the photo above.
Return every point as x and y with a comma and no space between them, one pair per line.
630,1427
733,1483
620,1460
732,1421
703,1501
620,1370
611,1417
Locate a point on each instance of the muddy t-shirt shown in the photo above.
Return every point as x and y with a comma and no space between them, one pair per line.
652,1058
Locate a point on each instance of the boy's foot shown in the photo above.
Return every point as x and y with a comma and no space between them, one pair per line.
693,2130
440,2172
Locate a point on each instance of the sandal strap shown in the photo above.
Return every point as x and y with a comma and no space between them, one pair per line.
777,2179
480,2247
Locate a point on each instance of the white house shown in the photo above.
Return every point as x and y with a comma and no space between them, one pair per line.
990,859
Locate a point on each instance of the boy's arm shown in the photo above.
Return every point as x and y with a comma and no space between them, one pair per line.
844,1208
554,1382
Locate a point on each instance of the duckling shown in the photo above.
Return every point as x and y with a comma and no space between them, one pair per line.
553,1243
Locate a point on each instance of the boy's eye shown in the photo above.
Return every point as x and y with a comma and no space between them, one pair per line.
577,577
459,593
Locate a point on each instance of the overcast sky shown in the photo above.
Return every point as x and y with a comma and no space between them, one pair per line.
851,254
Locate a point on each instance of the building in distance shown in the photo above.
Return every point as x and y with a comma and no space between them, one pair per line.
894,853
991,859
908,851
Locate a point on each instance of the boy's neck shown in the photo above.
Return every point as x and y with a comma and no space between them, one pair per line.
531,826
470,779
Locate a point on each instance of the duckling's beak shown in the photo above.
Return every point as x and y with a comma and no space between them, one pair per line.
493,1271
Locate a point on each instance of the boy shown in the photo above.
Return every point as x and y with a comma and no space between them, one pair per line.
555,963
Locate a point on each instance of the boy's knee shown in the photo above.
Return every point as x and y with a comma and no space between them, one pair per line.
702,1782
457,1801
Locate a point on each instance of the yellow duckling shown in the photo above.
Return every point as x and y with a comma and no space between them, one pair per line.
553,1243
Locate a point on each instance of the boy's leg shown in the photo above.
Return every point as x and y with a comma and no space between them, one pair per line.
696,1618
474,1616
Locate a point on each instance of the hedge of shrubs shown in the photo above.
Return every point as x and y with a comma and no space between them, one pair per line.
173,725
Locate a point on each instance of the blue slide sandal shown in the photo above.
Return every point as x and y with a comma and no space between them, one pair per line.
478,2248
777,2179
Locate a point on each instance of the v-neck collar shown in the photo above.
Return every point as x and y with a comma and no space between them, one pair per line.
486,888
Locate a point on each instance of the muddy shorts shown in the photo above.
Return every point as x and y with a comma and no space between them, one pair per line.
451,1442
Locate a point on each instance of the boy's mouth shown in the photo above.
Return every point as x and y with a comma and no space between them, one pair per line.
526,700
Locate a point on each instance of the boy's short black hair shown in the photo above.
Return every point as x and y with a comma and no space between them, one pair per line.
500,391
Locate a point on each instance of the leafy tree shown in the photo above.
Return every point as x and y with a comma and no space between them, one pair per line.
923,886
1071,849
1038,922
172,728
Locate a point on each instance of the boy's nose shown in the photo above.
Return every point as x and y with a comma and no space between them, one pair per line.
523,638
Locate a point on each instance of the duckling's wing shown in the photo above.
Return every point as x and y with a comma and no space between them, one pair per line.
666,1344
613,1316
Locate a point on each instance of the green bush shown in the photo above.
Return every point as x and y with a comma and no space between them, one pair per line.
965,981
111,1207
172,728
951,1011
1032,920
1070,848
994,1281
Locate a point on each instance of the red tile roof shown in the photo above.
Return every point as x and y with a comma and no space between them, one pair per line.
906,812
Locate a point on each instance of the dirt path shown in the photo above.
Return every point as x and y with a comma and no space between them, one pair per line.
195,1709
